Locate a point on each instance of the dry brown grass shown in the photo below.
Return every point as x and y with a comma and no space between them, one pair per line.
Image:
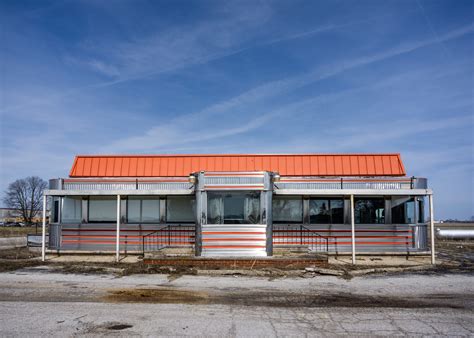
18,231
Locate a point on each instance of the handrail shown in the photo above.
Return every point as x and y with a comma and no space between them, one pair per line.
307,230
167,236
298,234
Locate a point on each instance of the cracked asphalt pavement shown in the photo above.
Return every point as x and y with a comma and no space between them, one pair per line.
38,302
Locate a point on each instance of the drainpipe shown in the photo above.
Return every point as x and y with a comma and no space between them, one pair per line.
43,235
433,257
353,231
117,245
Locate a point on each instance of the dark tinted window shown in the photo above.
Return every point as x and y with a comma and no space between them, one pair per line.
180,209
421,211
403,210
369,210
287,209
326,211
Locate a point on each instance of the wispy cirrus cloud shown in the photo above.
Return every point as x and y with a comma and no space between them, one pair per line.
180,130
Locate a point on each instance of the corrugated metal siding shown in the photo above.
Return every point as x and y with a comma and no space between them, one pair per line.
286,165
102,236
368,237
343,183
234,240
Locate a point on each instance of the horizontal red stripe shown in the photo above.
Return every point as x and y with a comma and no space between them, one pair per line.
232,239
328,230
234,232
147,231
125,237
257,186
128,242
232,246
329,237
342,243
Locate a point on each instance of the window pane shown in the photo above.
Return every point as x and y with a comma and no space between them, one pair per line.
252,209
319,211
421,211
180,209
215,209
233,208
369,211
133,210
102,209
72,210
403,210
337,211
55,210
151,210
288,209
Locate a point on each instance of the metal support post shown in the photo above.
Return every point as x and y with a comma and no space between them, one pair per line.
353,230
117,246
432,230
43,235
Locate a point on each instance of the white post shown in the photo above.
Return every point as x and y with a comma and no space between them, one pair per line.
353,231
43,235
117,248
433,257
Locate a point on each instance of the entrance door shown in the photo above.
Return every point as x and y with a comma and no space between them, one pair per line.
234,226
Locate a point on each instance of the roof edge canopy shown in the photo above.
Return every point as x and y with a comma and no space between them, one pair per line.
284,164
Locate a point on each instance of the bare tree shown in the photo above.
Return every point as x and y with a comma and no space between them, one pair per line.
25,195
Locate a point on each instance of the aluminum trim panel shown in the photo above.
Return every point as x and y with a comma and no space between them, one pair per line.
234,240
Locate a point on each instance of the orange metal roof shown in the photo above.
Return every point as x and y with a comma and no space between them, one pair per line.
286,165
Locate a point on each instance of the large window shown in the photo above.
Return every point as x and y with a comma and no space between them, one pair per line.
326,211
403,210
143,209
72,210
287,209
102,209
180,209
369,210
233,208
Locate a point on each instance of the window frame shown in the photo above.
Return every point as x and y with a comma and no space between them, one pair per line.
329,200
256,194
365,198
193,208
98,198
299,197
75,198
141,199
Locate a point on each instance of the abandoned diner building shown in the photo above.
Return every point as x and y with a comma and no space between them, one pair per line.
240,205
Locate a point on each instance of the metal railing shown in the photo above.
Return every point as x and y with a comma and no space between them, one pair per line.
299,235
174,235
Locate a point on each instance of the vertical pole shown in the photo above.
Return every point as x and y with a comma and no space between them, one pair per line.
433,259
117,245
353,231
43,235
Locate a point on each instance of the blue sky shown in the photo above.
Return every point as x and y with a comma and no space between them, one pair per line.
87,77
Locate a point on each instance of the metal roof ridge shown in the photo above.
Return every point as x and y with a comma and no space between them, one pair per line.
235,154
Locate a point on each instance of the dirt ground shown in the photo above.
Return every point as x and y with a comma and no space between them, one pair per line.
452,256
18,231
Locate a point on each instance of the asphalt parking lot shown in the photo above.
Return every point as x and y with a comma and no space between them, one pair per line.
38,301
75,298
